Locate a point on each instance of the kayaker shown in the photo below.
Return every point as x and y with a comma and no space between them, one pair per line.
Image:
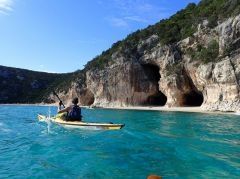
71,113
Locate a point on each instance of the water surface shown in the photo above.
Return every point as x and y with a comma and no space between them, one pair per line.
170,144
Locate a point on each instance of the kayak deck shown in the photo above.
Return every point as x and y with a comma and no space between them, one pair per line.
81,124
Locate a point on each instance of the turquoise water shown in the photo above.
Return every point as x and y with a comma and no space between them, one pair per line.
170,144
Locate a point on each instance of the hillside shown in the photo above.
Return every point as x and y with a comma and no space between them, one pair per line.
169,31
190,59
25,86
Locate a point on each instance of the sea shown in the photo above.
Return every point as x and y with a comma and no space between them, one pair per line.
167,144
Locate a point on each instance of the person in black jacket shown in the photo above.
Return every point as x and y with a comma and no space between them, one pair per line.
72,113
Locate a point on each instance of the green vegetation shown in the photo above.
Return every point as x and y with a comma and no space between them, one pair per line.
26,86
181,25
174,69
205,54
63,83
23,86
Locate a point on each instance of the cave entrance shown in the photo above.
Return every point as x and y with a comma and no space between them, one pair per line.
153,75
86,97
159,99
193,98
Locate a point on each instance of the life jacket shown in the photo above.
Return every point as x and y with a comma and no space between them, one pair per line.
75,114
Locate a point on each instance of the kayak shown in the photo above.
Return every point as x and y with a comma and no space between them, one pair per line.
81,124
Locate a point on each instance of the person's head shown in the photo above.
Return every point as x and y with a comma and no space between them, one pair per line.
75,101
154,177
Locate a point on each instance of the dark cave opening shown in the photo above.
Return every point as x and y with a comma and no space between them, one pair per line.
153,75
192,98
91,101
87,97
158,99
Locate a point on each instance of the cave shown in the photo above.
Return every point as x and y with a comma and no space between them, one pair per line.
193,98
159,99
153,76
86,97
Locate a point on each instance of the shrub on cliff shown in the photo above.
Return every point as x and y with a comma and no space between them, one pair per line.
206,54
179,26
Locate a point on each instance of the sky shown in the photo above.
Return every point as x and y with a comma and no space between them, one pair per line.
61,36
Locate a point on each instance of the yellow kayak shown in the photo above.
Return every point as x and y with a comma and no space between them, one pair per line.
81,124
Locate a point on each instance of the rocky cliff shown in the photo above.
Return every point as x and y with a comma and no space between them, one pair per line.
200,70
168,75
190,59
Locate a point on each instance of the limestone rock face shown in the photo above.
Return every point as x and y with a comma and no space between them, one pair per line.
121,85
67,96
221,89
229,33
86,97
171,75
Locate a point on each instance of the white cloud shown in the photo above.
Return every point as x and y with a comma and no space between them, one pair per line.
136,19
5,6
145,7
125,21
135,7
118,22
140,11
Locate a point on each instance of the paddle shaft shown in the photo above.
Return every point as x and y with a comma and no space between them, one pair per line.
58,98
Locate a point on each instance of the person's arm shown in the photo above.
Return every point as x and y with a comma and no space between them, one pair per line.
64,110
60,106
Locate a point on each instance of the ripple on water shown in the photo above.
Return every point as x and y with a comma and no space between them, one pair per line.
4,128
173,145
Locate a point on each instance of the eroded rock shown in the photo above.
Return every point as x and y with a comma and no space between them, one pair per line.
170,75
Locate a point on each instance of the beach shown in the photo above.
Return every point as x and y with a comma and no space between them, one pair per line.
167,109
140,108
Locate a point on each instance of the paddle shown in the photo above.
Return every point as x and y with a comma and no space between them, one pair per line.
58,98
